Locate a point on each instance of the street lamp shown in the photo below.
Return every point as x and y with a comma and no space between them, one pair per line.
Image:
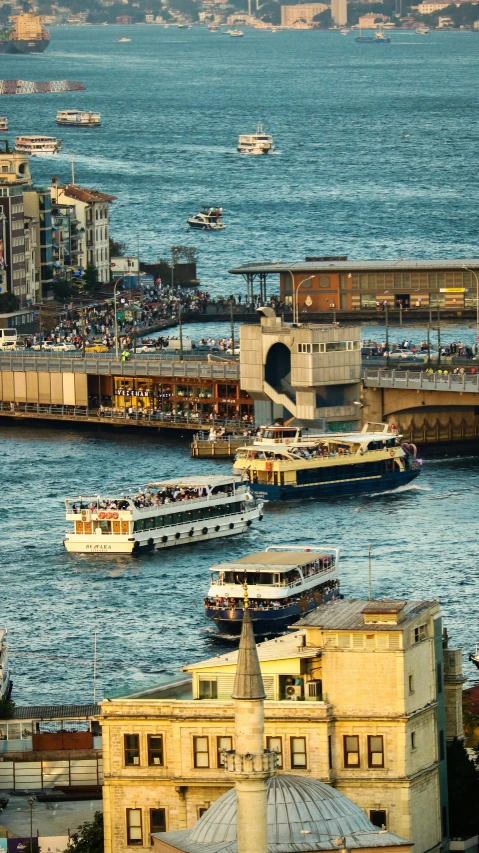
477,298
30,802
295,294
386,309
117,282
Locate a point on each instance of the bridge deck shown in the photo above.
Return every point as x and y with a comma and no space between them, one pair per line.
420,380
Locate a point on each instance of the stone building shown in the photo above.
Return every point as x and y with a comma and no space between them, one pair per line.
309,371
292,16
14,177
92,221
360,697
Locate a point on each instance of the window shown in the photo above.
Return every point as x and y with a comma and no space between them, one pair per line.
351,751
134,833
411,683
420,633
222,743
413,740
132,749
202,810
201,753
330,752
378,817
375,751
298,752
208,689
275,744
439,678
155,750
324,281
157,820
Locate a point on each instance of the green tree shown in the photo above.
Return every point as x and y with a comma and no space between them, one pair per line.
270,13
8,303
89,838
117,248
62,289
5,11
463,784
324,19
90,279
7,708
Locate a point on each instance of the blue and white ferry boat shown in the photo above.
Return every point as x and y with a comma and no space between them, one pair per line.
327,465
283,583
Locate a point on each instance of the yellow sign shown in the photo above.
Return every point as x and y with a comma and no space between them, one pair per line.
452,290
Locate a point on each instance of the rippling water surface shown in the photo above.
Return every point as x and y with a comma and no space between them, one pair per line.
149,609
377,152
377,146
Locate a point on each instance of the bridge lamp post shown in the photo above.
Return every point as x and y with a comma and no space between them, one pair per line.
295,294
386,312
477,297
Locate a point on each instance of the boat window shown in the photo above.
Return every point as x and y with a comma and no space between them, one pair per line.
105,526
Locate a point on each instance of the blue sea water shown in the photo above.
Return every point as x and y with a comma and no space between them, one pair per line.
377,151
376,145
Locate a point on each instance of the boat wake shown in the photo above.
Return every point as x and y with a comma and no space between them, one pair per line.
409,487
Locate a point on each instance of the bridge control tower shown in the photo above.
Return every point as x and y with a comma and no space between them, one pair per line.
311,372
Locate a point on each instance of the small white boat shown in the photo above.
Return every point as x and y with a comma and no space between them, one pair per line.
3,124
209,219
123,40
37,145
163,515
422,31
474,657
255,143
236,34
75,118
343,32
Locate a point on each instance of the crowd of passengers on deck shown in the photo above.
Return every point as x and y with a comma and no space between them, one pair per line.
163,496
259,604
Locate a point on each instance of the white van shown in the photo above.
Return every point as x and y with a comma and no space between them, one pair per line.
8,338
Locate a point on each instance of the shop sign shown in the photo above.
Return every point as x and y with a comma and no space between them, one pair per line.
452,290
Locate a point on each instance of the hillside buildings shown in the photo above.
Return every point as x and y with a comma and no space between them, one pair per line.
362,697
293,16
339,12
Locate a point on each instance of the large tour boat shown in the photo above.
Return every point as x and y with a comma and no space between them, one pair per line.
38,145
165,514
76,118
5,680
255,143
282,583
328,465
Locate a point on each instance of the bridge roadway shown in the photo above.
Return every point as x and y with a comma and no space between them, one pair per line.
420,380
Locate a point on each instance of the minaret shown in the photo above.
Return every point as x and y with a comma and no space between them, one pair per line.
250,765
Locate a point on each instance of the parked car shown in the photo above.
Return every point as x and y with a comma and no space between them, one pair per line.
96,348
147,348
45,345
64,346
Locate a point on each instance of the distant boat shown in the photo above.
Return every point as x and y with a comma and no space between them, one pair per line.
123,40
76,118
422,31
236,34
377,38
3,124
209,219
255,143
37,145
343,32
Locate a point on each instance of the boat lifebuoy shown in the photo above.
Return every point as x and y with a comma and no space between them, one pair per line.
102,515
114,515
391,453
287,440
108,515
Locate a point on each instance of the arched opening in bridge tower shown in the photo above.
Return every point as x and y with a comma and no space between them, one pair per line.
277,370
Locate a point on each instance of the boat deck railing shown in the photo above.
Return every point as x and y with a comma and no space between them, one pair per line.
147,508
421,380
280,585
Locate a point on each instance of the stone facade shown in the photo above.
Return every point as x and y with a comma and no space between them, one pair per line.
369,727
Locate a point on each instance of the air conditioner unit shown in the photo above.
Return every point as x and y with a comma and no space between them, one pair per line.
85,515
294,691
314,691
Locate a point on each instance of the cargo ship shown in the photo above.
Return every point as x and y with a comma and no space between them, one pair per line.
26,36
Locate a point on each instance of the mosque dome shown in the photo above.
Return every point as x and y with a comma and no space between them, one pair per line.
302,812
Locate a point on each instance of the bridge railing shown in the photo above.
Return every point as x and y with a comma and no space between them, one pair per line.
416,379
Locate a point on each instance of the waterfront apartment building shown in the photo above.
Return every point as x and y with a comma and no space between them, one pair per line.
359,696
328,284
37,201
303,13
93,223
14,177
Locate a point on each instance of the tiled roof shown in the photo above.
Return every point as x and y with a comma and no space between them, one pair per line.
348,615
87,195
55,712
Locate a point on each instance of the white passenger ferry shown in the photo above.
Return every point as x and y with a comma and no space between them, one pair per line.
5,680
38,145
255,143
75,118
164,514
284,582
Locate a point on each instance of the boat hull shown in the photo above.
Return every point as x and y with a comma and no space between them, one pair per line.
366,40
163,538
29,45
265,621
336,488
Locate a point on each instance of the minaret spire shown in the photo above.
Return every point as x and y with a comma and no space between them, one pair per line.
250,765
